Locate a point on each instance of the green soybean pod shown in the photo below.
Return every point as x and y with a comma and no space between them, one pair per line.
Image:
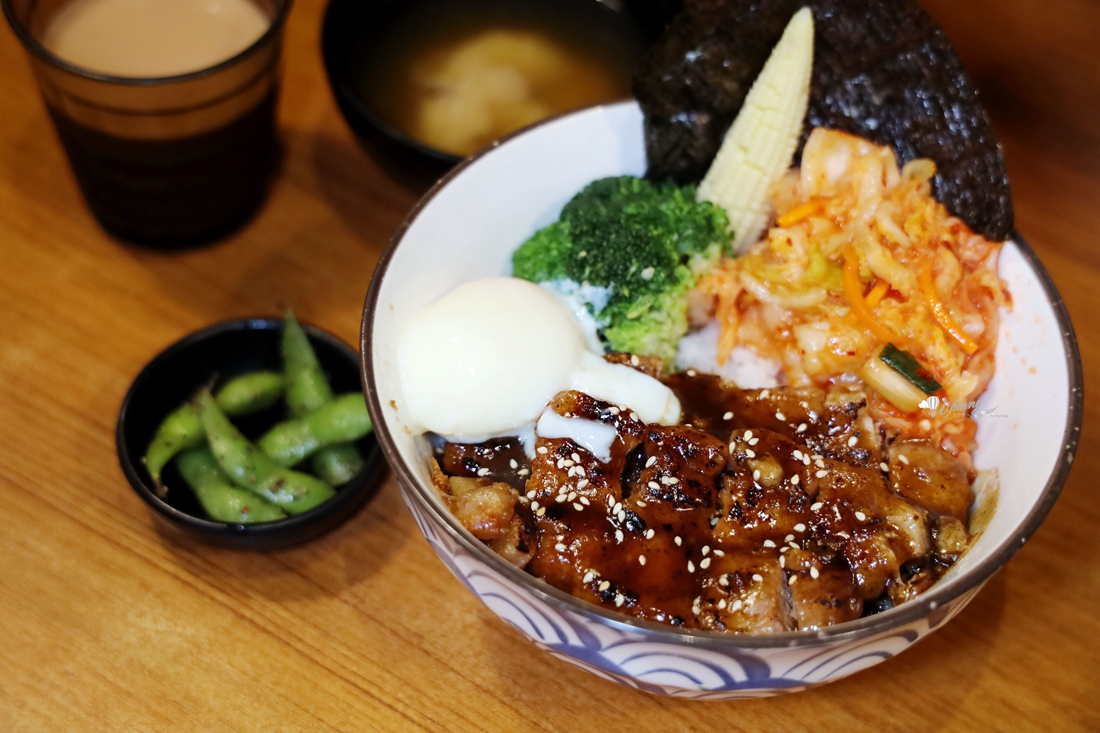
337,464
306,386
308,390
248,467
221,500
183,429
343,420
249,393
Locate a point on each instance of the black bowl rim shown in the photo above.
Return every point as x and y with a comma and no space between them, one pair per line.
939,596
341,89
230,532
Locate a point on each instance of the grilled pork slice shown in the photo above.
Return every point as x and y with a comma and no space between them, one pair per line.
832,423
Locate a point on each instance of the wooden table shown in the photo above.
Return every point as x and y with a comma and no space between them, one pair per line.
106,625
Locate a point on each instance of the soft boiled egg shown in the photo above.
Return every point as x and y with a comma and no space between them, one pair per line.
486,359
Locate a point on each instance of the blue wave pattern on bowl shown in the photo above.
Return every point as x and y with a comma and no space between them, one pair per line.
699,670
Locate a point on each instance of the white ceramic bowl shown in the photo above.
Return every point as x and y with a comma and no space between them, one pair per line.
468,226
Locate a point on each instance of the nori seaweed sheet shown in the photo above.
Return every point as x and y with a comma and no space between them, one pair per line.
883,70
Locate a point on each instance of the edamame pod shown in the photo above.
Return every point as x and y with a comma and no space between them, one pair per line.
250,393
182,429
221,500
248,467
308,390
337,464
306,386
342,420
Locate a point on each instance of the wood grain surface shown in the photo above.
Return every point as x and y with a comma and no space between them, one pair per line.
106,625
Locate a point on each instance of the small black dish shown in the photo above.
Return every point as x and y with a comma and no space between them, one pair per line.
226,350
351,25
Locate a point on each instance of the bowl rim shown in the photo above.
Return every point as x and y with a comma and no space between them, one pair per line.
940,596
366,482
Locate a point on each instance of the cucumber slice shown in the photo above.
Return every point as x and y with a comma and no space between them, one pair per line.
906,364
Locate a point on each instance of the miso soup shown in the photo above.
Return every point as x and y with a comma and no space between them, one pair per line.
456,75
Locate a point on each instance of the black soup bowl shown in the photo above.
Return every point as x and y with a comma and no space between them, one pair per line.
353,30
223,351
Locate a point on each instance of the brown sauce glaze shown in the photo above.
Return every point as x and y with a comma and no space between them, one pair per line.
718,525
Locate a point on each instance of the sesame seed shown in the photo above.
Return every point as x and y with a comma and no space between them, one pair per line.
818,462
576,457
782,561
794,480
861,516
560,463
541,450
764,394
621,515
614,410
604,585
667,480
649,533
559,498
792,580
641,559
650,461
903,459
691,372
756,475
617,508
788,538
572,496
523,472
733,447
727,416
691,566
654,485
582,483
704,563
800,527
797,454
805,460
780,417
719,553
793,546
672,481
677,540
634,360
801,428
713,521
559,547
641,503
540,512
588,577
721,603
748,435
706,549
737,605
852,441
884,468
566,462
524,500
750,453
817,457
724,581
769,543
578,507
618,535
758,577
821,474
482,472
534,505
634,416
754,441
513,463
816,506
610,500
579,470
531,494
784,549
814,573
584,499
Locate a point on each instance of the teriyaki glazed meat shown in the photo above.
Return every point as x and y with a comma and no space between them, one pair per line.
715,406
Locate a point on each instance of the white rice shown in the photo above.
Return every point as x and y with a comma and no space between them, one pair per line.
699,350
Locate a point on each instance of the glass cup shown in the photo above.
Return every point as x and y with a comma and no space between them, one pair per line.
166,161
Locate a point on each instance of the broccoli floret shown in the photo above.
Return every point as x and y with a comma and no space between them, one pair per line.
642,245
